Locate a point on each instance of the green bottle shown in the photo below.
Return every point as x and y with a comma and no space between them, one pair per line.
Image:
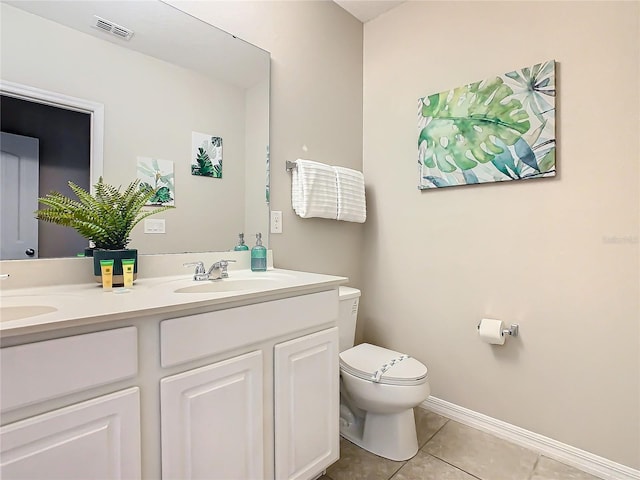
241,246
258,256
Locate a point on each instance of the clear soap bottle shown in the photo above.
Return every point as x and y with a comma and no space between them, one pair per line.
241,245
258,255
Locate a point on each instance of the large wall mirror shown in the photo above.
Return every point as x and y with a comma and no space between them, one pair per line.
174,81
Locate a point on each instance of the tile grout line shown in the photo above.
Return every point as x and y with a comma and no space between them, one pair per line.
434,434
529,477
535,466
400,468
454,466
420,447
421,450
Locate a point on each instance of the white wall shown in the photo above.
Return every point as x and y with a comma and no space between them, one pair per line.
151,109
558,256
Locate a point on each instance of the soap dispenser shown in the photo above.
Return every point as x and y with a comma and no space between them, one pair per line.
241,245
258,255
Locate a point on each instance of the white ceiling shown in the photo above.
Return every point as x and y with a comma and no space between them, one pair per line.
365,10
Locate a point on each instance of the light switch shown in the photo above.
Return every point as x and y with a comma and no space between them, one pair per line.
154,225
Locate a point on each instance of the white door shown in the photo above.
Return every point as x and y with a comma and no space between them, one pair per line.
307,400
94,440
19,197
212,421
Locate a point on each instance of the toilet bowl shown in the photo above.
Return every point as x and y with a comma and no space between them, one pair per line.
377,407
378,390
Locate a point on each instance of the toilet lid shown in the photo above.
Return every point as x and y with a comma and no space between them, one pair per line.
382,365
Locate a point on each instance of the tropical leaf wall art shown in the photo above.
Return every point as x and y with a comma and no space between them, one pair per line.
206,155
156,174
498,129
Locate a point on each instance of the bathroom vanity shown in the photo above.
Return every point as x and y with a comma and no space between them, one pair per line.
175,379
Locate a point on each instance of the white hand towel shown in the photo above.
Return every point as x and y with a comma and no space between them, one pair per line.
351,199
313,190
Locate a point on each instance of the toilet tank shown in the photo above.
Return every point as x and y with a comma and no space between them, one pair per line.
347,316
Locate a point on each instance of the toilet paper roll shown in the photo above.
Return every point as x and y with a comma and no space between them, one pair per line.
490,331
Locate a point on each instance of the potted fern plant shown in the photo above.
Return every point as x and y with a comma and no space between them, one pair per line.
106,218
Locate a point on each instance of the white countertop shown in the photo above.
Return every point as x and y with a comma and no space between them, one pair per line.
87,303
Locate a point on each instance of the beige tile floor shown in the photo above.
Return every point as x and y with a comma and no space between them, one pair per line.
451,451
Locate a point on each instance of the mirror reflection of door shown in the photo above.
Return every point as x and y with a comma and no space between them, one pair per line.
65,152
19,197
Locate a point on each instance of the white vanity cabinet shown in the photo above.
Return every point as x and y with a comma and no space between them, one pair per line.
269,412
244,388
97,438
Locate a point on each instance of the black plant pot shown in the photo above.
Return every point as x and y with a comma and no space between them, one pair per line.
117,256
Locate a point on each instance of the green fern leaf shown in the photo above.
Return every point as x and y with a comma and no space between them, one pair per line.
205,167
106,217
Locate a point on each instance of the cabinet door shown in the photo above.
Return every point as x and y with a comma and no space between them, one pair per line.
96,439
307,400
212,421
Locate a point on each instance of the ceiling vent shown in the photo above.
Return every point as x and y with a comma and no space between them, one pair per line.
112,28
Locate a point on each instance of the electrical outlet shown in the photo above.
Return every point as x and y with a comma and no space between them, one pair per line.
276,222
154,225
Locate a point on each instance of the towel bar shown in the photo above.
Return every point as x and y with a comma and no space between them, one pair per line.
290,165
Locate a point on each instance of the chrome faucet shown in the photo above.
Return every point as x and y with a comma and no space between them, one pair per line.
222,266
200,274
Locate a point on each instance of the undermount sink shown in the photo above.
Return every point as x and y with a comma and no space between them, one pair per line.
24,311
228,285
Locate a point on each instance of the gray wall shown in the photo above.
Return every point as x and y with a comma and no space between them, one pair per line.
315,112
559,256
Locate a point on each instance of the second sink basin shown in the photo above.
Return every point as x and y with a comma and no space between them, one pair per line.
229,285
24,311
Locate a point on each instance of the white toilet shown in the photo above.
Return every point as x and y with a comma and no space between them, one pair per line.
378,390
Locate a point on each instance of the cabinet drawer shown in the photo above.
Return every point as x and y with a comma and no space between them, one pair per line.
40,371
197,336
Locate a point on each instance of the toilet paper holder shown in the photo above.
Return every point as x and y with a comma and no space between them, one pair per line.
512,330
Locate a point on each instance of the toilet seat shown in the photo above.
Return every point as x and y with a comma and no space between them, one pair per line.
381,365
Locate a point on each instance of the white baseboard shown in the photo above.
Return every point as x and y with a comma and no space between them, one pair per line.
580,459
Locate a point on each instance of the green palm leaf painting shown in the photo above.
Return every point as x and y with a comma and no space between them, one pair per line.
206,160
501,128
157,175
